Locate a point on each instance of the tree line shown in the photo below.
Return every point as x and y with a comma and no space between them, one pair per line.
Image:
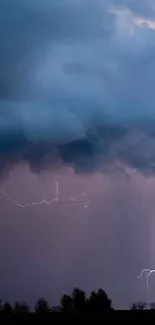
76,303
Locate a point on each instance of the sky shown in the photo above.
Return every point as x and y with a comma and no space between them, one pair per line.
77,111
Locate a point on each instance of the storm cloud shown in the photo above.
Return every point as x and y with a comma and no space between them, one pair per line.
77,84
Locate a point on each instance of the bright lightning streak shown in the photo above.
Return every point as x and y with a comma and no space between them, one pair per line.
149,272
43,201
73,198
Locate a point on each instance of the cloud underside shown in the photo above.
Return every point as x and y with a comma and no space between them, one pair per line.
77,84
99,149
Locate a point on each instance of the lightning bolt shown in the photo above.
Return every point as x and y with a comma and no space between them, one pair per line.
43,201
149,272
73,198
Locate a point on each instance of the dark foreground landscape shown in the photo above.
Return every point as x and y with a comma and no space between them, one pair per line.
77,307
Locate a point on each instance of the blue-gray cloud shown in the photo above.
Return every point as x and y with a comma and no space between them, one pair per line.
27,29
144,8
76,84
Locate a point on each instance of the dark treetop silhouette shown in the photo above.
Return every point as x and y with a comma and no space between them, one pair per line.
76,303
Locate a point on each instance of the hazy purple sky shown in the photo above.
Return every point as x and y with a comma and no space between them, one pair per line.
46,251
77,106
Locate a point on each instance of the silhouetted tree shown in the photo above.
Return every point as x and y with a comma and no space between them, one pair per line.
75,303
152,305
103,300
21,308
99,302
140,305
42,306
67,303
79,300
6,308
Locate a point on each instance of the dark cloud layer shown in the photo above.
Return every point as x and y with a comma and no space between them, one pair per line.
76,87
28,27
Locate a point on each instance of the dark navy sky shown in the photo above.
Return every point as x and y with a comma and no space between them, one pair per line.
77,105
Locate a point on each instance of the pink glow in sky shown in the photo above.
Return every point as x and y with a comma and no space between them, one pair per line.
47,250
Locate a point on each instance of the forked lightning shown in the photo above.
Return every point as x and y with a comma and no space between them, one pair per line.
73,198
149,272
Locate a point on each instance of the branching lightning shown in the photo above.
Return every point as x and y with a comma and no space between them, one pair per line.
73,198
149,272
